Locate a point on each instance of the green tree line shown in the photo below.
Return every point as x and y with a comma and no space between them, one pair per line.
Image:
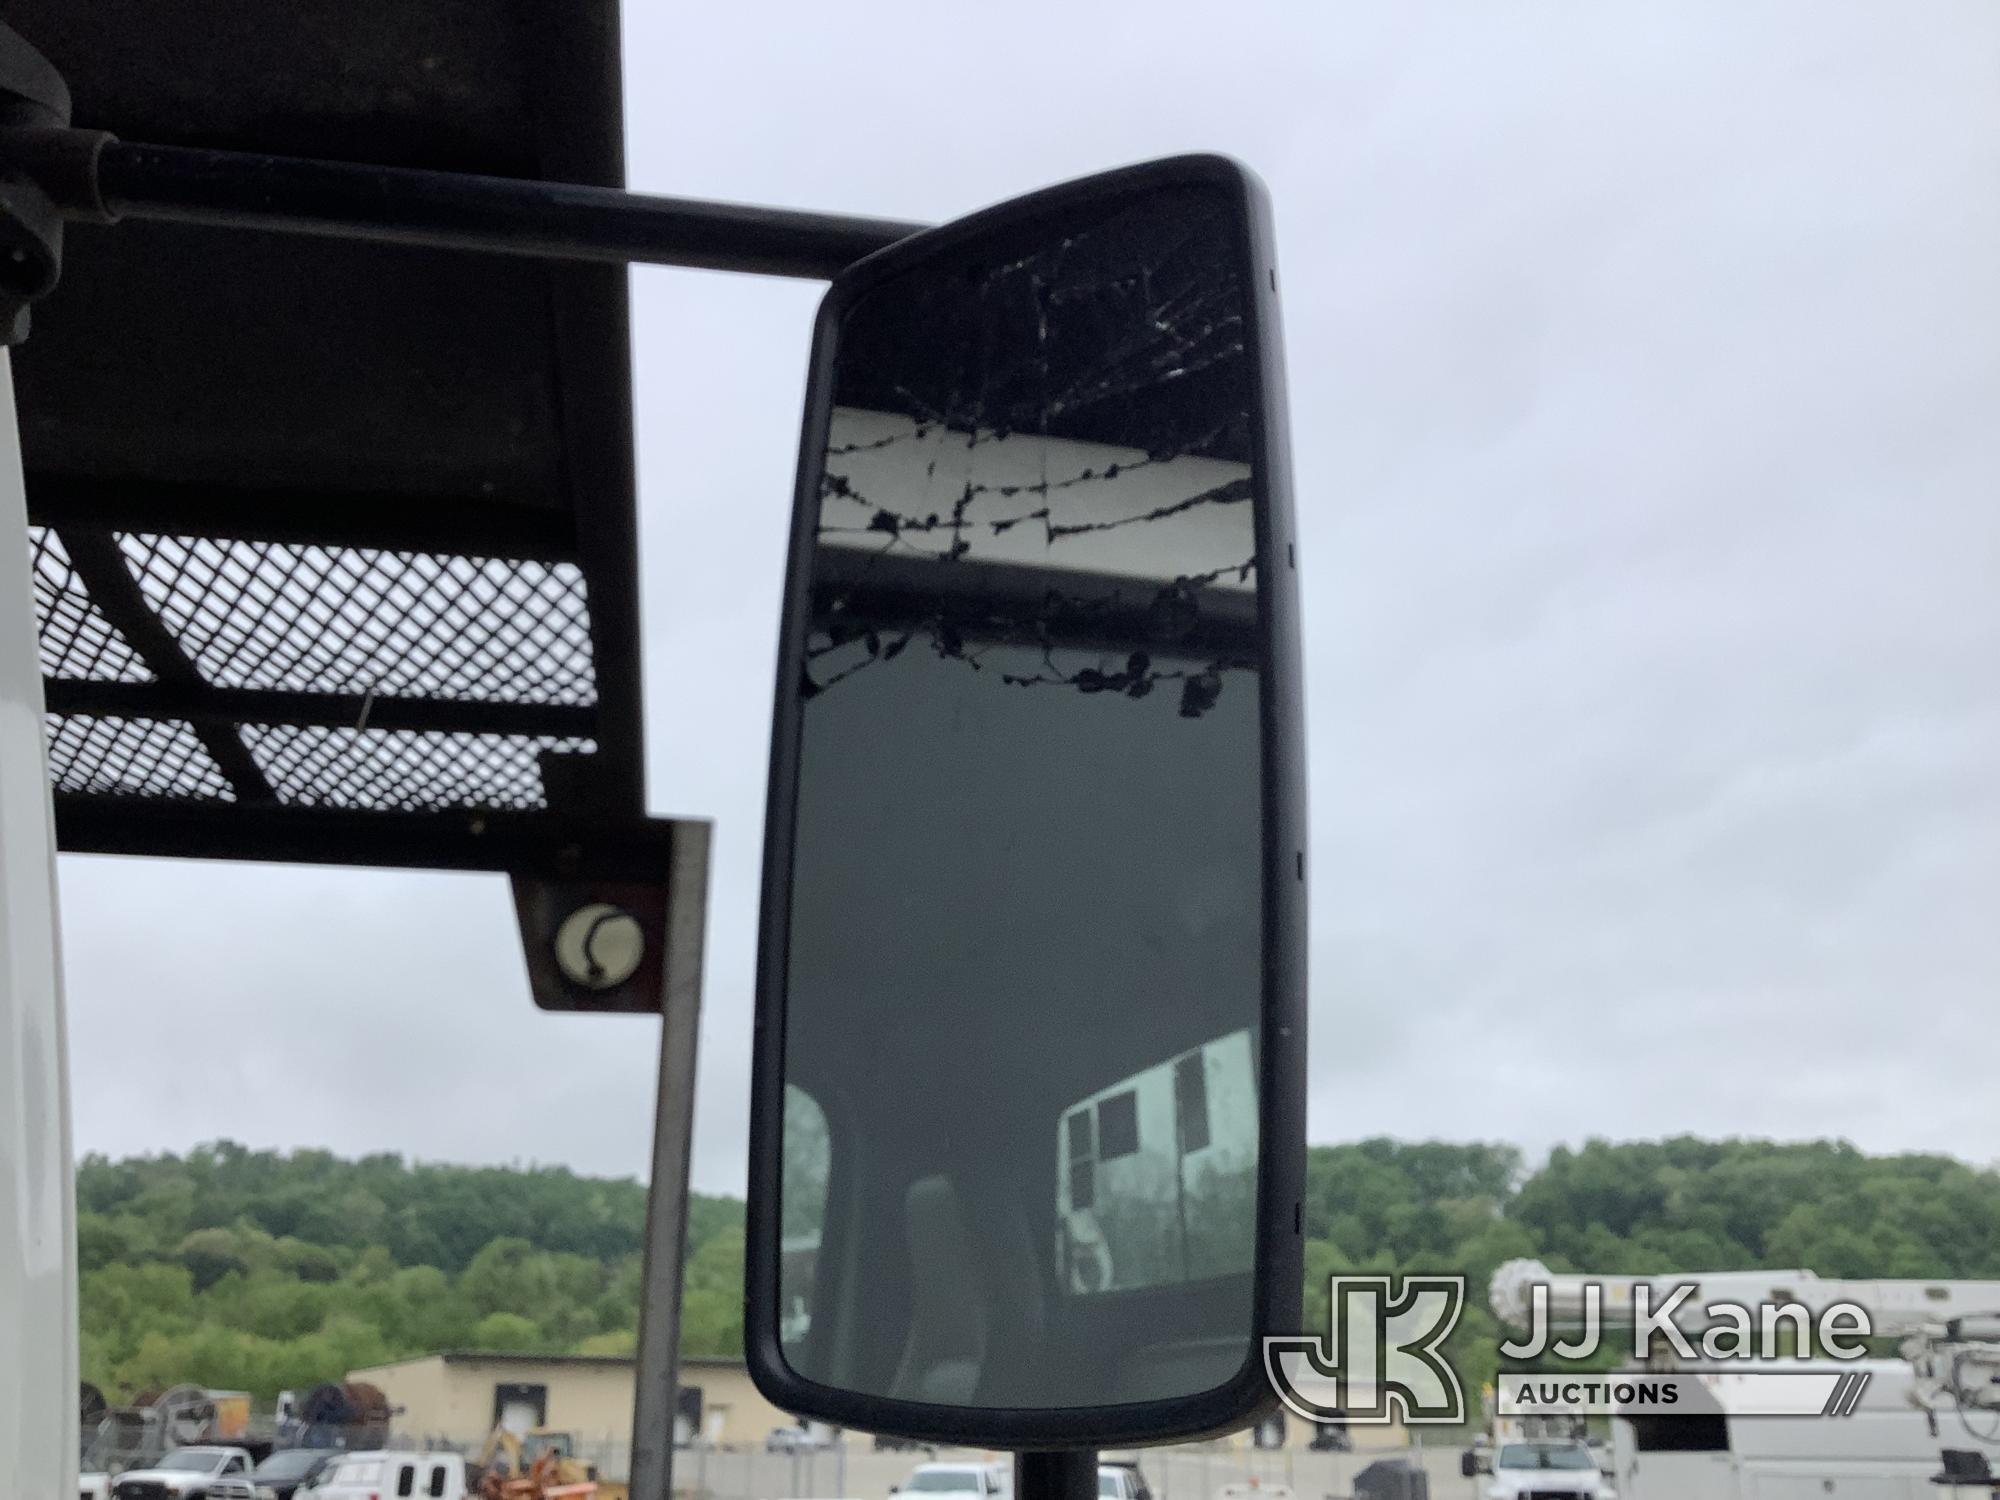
267,1271
263,1271
1637,1208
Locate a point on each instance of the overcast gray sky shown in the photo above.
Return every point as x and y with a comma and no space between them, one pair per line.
1646,401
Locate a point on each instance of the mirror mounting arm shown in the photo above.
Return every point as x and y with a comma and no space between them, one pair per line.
89,176
1067,1474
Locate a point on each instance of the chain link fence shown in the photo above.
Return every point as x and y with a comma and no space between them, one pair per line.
855,1469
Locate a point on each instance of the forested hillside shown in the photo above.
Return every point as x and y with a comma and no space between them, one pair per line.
1639,1208
251,1270
260,1271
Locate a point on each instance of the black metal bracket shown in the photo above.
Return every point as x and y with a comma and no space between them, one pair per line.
538,845
34,108
51,173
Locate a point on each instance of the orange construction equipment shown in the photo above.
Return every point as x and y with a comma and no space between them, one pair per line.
542,1479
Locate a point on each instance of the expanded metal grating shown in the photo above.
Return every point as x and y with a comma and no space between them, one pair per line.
409,770
312,641
132,758
271,615
76,640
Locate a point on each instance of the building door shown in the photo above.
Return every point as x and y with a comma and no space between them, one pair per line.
520,1407
687,1415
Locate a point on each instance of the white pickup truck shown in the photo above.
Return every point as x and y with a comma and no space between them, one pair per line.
1561,1469
961,1481
1121,1481
204,1472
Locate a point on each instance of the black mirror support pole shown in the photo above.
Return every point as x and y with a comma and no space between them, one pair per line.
1069,1474
50,173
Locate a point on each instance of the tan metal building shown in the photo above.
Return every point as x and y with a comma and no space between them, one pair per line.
458,1397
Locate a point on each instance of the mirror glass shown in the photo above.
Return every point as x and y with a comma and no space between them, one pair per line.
1024,972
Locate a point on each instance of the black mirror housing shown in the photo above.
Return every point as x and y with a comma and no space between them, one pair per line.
1027,1149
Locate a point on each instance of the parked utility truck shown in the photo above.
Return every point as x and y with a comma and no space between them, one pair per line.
1889,1445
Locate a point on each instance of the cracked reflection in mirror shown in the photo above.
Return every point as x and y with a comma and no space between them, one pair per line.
1024,967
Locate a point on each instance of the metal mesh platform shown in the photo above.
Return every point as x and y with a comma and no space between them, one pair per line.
133,758
333,543
76,639
349,619
308,676
413,770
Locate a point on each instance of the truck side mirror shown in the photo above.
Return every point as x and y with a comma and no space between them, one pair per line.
1468,1463
1028,1102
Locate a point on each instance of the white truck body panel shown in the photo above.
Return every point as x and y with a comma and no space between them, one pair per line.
383,1475
1893,1307
38,1366
1884,1451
